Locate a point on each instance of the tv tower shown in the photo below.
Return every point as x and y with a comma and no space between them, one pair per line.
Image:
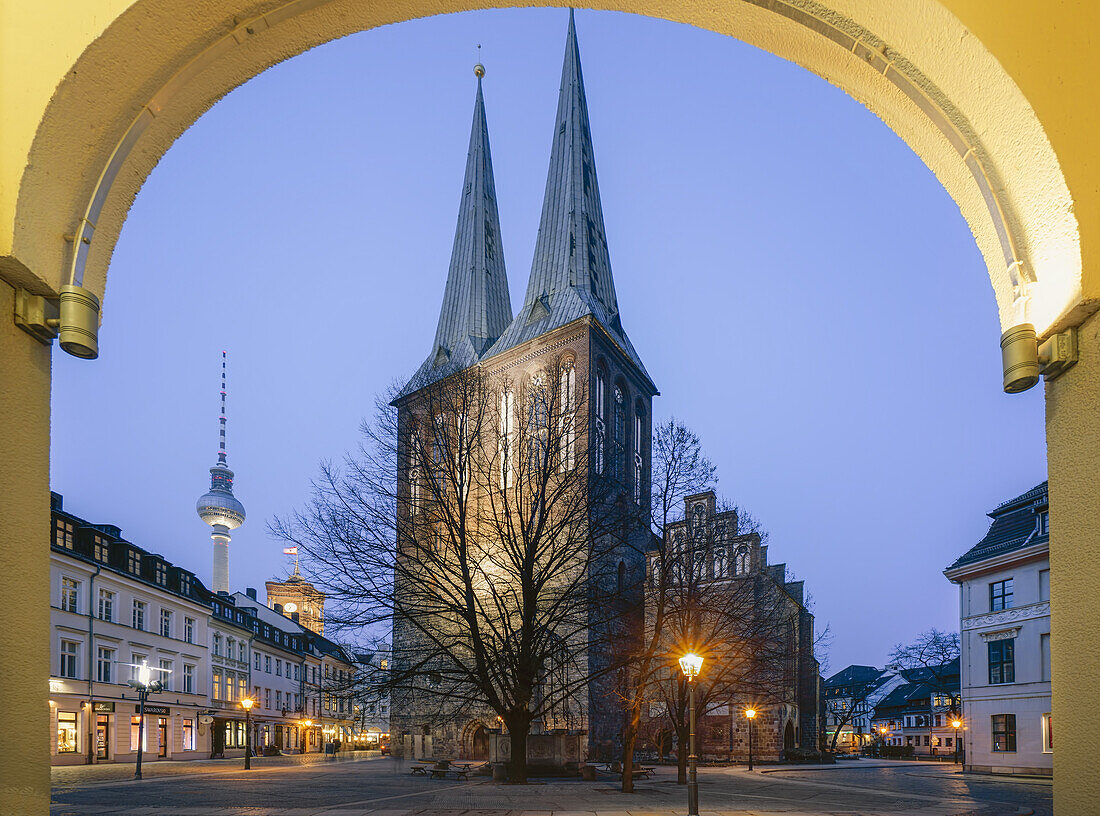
219,508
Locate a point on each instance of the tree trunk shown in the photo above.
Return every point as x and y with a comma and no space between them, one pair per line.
517,768
682,751
630,739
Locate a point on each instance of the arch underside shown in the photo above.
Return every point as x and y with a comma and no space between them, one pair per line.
162,63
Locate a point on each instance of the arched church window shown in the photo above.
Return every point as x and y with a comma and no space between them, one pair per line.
698,520
721,562
741,561
601,421
568,429
505,443
619,435
538,424
639,461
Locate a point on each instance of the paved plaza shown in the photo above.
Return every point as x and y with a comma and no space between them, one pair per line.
310,785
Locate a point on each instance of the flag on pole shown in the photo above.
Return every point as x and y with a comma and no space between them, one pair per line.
290,550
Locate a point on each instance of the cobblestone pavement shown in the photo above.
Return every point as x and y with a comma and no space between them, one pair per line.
312,786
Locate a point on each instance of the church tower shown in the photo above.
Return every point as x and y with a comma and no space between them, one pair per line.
570,320
570,308
219,507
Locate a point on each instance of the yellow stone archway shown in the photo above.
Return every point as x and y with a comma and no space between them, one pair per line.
993,97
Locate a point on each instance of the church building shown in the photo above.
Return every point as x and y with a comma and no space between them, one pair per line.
569,319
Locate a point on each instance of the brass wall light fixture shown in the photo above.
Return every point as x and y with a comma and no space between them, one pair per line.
1024,359
73,318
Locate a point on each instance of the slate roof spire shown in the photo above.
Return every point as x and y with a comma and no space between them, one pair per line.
476,304
571,269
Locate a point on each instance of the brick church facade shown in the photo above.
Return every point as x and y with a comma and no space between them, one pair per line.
569,326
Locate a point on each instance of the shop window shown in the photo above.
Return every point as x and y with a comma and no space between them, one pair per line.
135,729
1048,733
66,732
188,735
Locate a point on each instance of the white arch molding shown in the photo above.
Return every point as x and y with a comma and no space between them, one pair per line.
162,63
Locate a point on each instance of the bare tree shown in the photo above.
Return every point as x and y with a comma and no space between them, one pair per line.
680,469
469,521
734,612
932,659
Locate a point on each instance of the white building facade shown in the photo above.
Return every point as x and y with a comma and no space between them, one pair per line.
1004,594
114,605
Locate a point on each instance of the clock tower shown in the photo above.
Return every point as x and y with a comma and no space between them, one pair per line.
299,600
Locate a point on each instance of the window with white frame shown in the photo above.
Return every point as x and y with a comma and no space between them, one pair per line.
189,630
217,644
70,651
138,617
136,659
165,674
166,622
105,660
255,660
106,605
188,678
70,594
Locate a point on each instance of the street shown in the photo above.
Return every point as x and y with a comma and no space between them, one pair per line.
306,785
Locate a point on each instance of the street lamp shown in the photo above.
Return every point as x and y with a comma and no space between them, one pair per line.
144,686
750,713
690,664
247,704
956,723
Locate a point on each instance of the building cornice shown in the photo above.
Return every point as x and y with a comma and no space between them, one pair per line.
1033,552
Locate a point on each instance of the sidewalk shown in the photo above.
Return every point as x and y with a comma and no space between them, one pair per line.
64,777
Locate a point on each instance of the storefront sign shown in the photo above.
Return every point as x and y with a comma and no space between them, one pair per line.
156,710
102,708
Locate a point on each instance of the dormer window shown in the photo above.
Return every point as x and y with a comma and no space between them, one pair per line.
161,574
63,533
133,562
1044,523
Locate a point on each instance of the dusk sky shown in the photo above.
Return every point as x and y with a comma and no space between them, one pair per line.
802,290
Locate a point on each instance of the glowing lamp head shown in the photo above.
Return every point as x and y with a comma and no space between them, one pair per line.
247,703
690,664
144,673
956,723
750,713
307,723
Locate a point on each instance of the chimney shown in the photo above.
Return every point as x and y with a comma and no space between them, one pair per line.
251,592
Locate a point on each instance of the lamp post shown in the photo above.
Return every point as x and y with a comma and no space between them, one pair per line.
882,729
144,686
247,704
956,723
750,714
690,664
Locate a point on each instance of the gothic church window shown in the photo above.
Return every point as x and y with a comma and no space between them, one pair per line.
619,435
741,561
601,420
568,417
507,408
639,475
538,424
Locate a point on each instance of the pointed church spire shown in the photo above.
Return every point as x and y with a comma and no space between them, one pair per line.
476,304
571,269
